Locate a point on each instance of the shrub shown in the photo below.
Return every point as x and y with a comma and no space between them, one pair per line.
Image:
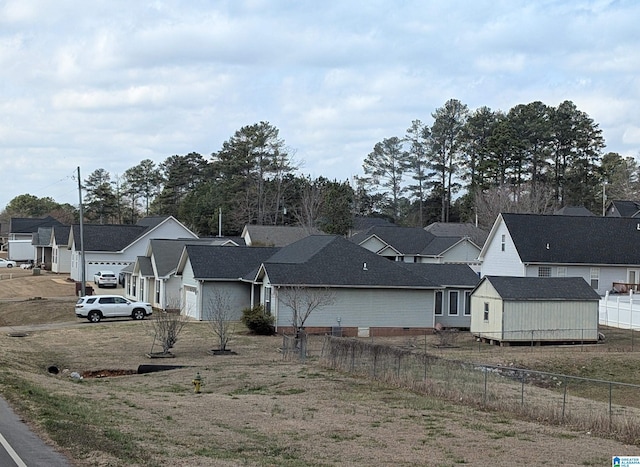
257,321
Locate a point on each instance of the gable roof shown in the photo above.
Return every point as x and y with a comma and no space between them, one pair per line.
361,223
408,241
31,224
542,288
574,240
166,252
275,235
222,262
107,237
42,237
623,208
458,229
329,260
61,234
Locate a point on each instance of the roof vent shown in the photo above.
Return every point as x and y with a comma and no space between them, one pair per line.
637,226
547,246
364,267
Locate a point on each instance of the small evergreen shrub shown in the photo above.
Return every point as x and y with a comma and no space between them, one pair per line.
257,321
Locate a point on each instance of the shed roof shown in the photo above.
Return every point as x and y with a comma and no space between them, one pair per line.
542,288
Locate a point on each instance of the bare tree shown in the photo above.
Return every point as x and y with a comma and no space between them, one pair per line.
303,301
167,325
219,314
494,201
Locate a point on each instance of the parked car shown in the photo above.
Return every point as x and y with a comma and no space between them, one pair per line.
6,263
105,279
96,307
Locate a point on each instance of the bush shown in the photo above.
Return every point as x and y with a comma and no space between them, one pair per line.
257,321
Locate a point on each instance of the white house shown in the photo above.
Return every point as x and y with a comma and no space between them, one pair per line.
114,247
604,251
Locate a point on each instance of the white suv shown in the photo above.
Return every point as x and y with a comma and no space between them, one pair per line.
96,307
105,279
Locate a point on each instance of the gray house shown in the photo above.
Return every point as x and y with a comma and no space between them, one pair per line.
415,245
534,309
208,272
372,295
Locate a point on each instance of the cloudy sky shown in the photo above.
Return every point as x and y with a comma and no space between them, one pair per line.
106,84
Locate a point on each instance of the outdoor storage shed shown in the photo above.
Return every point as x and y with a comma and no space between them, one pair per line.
534,309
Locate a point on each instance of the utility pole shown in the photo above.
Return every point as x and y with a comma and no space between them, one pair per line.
83,274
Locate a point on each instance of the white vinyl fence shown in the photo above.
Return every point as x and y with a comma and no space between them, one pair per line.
620,311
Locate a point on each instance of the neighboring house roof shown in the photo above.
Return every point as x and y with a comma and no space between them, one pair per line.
151,221
408,241
457,229
542,288
61,234
30,224
220,262
446,275
328,260
361,223
573,211
107,237
42,237
622,208
573,240
144,266
166,252
275,235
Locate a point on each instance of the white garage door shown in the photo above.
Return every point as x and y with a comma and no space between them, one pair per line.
190,301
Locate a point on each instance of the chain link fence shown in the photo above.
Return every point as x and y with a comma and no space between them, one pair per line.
605,407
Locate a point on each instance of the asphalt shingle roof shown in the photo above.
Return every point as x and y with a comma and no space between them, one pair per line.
445,275
30,224
166,252
108,237
225,262
277,235
61,234
327,260
456,229
626,208
542,288
575,240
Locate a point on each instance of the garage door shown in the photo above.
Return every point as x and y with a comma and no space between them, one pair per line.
190,301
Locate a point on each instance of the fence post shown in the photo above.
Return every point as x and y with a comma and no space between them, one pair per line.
522,390
564,399
484,397
610,403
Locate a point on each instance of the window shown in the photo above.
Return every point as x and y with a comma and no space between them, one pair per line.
503,242
467,303
595,277
141,288
267,300
544,271
486,311
158,292
562,271
453,302
438,303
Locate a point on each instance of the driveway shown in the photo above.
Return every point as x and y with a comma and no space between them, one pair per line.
20,447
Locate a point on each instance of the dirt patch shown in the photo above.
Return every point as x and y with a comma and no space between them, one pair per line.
20,283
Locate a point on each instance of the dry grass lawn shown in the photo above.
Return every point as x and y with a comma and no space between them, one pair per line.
255,409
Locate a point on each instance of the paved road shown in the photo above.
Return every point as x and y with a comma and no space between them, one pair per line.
20,447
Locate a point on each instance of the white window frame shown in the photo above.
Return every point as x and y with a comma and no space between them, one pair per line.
438,304
594,278
454,305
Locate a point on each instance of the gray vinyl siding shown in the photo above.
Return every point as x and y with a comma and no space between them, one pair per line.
238,292
369,308
453,321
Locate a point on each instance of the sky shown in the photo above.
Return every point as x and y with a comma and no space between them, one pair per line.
106,84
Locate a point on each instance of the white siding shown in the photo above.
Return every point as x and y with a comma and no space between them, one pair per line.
373,244
501,263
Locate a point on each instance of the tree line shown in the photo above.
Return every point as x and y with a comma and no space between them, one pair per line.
465,166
